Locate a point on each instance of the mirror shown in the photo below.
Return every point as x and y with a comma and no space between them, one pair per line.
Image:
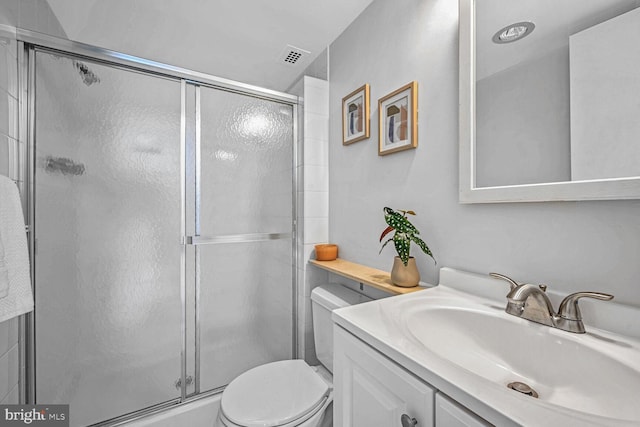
553,114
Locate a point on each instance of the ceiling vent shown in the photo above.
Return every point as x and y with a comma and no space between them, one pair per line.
292,55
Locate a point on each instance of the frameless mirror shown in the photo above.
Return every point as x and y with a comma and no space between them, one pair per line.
549,100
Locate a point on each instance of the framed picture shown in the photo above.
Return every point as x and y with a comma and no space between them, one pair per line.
355,116
398,118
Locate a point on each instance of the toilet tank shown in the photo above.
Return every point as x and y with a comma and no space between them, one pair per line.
324,299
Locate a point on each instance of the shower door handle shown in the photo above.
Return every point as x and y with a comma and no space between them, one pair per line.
236,238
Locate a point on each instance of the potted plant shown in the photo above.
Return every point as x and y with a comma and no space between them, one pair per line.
404,272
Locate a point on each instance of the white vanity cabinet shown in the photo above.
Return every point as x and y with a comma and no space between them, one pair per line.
450,413
370,390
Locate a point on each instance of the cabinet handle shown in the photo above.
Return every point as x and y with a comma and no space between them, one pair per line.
407,421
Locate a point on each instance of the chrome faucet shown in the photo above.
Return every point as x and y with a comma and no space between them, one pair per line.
532,303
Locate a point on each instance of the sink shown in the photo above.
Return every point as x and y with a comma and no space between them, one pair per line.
595,373
457,338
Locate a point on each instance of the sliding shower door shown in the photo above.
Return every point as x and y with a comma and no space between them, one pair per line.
108,229
162,234
244,227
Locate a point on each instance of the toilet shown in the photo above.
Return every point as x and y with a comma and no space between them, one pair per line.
291,393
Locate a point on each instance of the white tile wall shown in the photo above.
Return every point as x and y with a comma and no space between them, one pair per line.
5,147
316,204
316,94
316,126
8,105
317,151
33,15
316,178
316,230
9,366
8,108
9,362
9,69
13,398
313,200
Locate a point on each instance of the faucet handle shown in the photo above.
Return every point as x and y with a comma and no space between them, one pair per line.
512,283
569,309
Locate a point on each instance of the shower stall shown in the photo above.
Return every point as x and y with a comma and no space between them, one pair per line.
162,227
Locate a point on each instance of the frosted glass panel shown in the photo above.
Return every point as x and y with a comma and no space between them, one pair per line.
246,295
247,148
108,307
246,187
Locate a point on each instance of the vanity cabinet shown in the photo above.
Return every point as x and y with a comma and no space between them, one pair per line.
370,390
450,413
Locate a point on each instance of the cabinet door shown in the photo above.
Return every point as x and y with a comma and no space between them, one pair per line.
372,391
450,413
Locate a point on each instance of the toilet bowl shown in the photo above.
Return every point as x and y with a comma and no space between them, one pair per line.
290,393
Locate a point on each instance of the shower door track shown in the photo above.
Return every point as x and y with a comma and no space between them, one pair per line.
28,43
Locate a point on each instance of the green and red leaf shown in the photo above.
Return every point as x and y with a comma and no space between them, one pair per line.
386,231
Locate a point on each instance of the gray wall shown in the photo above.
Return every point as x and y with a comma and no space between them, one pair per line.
568,245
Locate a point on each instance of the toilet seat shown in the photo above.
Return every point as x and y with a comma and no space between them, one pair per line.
277,394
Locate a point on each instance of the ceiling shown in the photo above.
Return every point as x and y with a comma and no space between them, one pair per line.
241,40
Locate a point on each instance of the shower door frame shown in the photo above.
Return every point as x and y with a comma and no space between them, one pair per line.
28,43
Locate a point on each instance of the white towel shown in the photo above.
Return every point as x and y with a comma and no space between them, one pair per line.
14,255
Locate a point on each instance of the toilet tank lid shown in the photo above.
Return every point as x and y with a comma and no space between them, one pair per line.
332,296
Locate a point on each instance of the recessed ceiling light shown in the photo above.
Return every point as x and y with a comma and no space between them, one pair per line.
513,32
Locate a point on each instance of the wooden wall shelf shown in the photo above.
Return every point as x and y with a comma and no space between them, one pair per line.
369,276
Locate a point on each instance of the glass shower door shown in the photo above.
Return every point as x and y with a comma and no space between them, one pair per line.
244,223
108,227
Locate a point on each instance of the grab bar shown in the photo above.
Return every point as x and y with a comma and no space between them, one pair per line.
236,238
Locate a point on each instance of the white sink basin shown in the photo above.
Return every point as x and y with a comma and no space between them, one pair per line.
588,373
467,347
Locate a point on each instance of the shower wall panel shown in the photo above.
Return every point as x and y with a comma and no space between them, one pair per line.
108,227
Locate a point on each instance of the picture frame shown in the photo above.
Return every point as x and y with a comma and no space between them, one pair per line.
398,120
355,116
